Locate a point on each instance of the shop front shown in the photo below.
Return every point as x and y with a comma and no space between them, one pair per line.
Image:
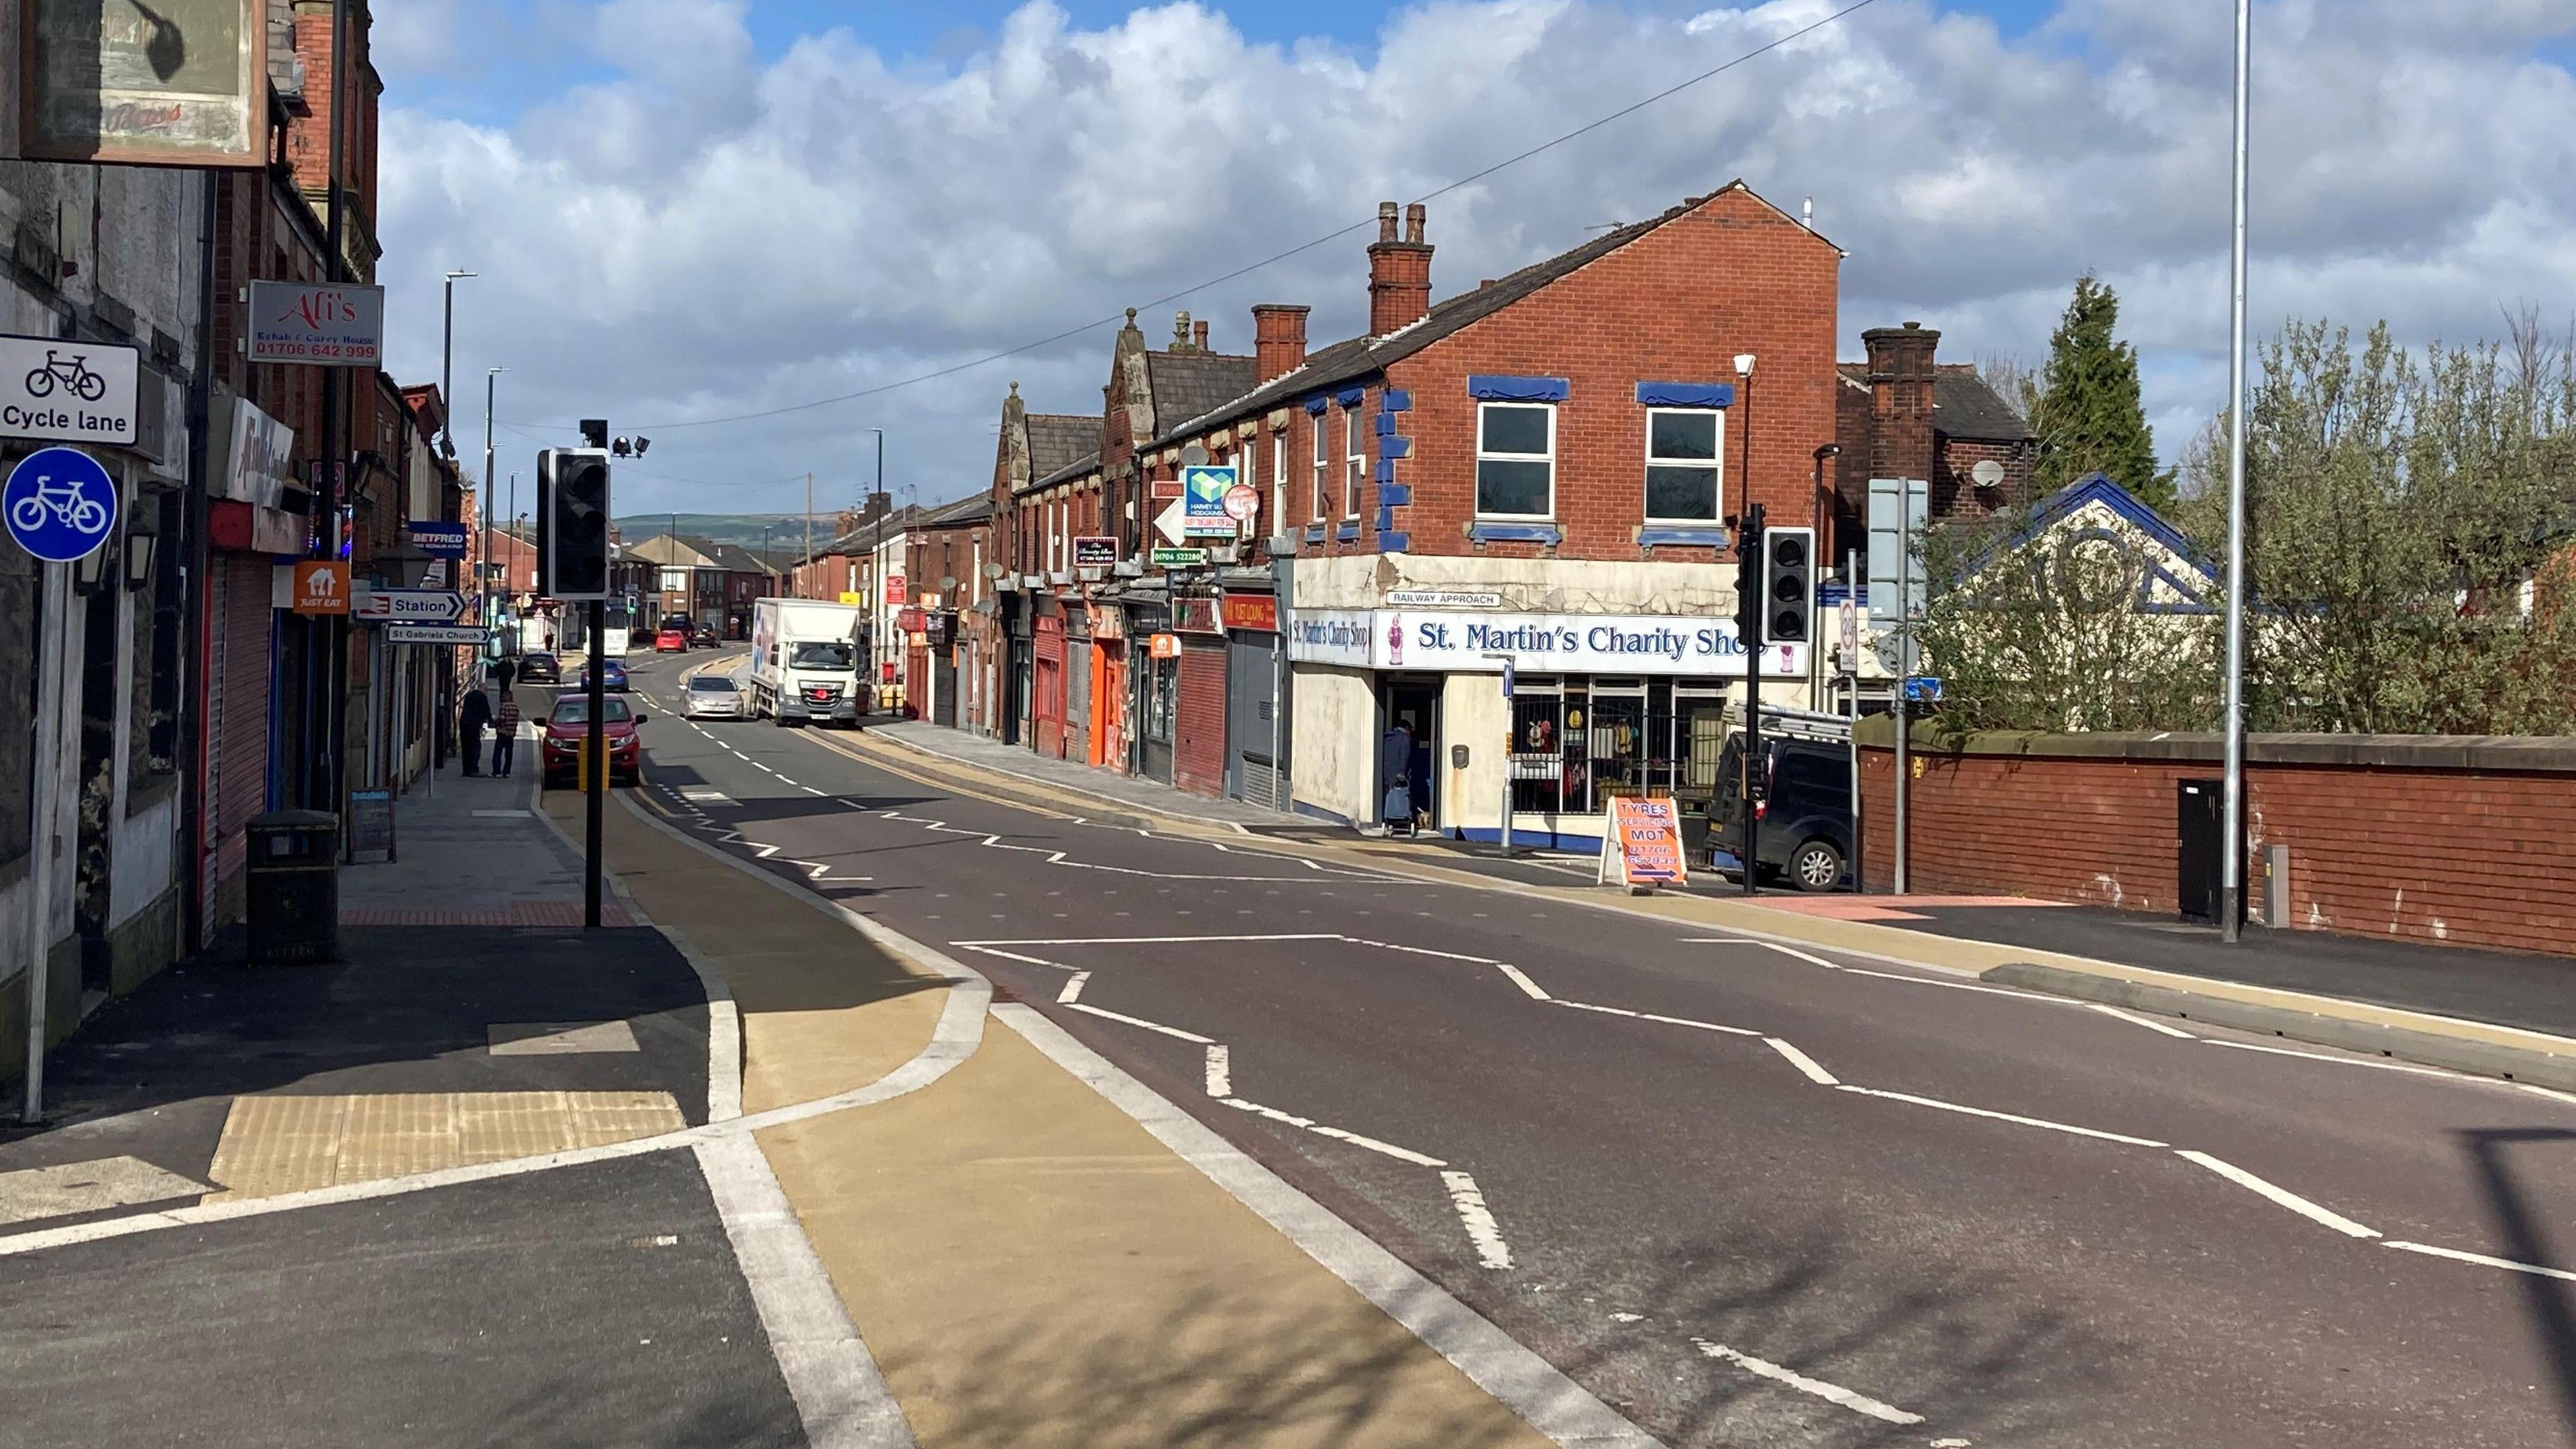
1108,686
1050,679
1561,713
1255,727
1154,660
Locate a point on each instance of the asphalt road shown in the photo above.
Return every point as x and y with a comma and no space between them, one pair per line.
1751,1196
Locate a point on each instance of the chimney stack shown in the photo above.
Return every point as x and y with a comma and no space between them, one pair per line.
1399,272
1901,373
1278,339
1180,332
1199,334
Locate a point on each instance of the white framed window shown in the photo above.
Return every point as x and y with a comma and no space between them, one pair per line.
1685,467
1323,466
1247,473
1516,460
1355,460
1279,480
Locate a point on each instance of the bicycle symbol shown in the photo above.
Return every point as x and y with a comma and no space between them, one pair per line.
88,386
66,501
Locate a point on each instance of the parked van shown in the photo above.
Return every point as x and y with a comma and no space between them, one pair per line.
1806,817
805,662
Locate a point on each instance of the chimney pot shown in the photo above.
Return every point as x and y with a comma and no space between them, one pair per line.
1399,273
1199,335
1180,332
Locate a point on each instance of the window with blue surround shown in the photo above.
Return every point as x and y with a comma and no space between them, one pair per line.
1515,460
1685,452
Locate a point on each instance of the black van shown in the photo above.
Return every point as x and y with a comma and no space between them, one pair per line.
1806,821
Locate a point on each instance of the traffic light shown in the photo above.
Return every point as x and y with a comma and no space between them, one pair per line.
573,498
1748,572
1789,556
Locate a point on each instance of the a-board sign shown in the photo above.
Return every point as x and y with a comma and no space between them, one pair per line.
1645,844
371,822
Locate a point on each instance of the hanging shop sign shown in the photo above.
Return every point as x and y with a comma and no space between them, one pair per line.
1094,551
317,325
1196,616
1167,646
1464,643
175,83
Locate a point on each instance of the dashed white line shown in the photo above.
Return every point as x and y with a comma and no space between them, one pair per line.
1803,1062
1072,992
1858,1403
1220,1071
1477,1219
1173,1031
1938,1104
2483,1261
1400,1154
1696,1025
2372,1062
2282,1195
1521,979
1806,956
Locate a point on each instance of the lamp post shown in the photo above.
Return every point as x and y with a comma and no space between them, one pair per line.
2231,836
1750,594
447,368
1824,550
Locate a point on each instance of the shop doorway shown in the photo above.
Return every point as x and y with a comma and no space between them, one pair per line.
1407,760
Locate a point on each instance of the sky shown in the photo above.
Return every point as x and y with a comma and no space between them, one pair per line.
683,212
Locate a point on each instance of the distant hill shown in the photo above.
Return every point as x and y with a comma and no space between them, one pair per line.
786,530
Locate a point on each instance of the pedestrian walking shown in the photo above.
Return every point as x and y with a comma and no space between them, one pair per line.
471,717
505,733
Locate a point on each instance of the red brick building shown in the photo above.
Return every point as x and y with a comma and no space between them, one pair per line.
1903,413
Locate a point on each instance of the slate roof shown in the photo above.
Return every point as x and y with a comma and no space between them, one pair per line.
1059,439
1359,356
1188,384
1963,404
973,508
1067,473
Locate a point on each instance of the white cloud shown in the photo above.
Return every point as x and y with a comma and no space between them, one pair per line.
707,232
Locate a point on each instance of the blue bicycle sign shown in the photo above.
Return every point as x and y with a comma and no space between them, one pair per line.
60,505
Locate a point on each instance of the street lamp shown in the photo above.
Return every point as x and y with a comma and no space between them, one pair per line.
447,368
2231,842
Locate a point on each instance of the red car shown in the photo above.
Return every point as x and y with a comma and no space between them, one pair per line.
569,725
673,639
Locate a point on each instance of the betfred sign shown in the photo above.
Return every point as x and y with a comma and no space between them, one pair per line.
318,326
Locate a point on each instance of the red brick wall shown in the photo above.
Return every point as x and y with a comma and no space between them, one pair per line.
1198,733
2470,857
1676,305
1955,494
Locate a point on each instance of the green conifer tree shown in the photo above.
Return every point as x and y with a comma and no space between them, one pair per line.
2087,412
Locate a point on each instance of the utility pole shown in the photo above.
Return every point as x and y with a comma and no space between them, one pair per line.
809,510
323,779
483,594
447,368
2231,834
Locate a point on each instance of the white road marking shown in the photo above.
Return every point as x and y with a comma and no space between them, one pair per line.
1072,992
2373,1062
2550,1092
810,790
1697,1025
1220,1070
833,1380
1009,955
1806,956
1831,1393
2281,1195
2483,1261
1173,1031
1478,1220
1528,987
1604,1010
1940,1105
1148,940
2134,1019
1400,1154
1803,1062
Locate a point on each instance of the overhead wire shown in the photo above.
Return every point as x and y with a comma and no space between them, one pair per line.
1246,270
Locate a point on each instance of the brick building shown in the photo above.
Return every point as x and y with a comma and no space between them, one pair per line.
1542,468
1903,413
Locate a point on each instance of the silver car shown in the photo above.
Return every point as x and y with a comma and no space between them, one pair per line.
714,696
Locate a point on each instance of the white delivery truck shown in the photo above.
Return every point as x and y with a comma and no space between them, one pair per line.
805,661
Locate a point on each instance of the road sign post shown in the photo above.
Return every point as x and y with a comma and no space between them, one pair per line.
60,506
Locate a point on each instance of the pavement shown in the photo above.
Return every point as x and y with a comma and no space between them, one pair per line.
2411,1000
1742,1175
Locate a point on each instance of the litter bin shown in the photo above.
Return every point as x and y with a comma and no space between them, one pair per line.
294,881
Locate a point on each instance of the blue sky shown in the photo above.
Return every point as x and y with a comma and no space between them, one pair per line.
693,209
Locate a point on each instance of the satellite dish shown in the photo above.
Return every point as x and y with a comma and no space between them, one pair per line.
1988,473
1194,456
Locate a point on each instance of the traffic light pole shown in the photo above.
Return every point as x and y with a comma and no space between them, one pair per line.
1754,593
595,751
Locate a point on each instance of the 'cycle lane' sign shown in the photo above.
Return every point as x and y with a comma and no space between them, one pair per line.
67,392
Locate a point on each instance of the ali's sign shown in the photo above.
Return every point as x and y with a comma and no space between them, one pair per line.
334,325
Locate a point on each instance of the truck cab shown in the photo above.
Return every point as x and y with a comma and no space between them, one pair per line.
805,662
